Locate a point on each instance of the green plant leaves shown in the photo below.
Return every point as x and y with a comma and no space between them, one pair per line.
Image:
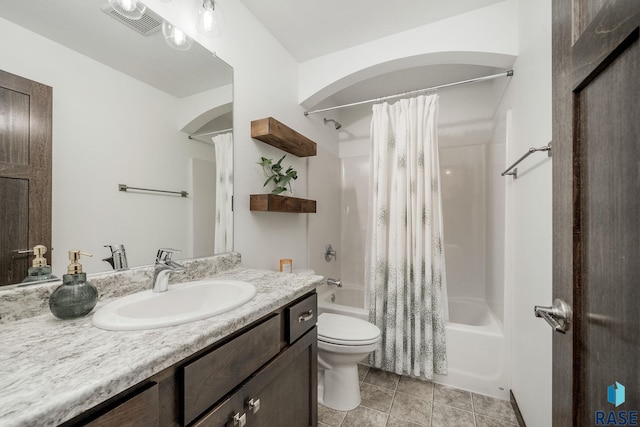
273,172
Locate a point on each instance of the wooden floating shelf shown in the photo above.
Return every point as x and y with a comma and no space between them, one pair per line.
276,203
281,136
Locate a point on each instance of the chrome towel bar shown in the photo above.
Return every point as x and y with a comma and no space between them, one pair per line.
125,187
532,150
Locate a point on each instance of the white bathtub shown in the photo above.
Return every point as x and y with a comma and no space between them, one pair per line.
476,352
347,300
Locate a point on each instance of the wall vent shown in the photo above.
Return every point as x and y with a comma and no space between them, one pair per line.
147,25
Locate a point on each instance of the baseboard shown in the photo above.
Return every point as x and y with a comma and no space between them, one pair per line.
516,409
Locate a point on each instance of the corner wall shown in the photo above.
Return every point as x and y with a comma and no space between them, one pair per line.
529,239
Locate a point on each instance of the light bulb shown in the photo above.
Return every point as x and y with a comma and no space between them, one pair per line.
210,19
131,9
128,5
175,37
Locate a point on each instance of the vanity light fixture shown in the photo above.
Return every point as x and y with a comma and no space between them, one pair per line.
131,9
175,37
210,19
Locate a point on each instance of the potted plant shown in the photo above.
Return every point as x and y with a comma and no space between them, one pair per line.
273,172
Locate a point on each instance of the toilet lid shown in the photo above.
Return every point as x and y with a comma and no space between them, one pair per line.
346,330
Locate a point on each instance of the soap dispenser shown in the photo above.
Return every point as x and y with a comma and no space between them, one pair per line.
75,297
40,271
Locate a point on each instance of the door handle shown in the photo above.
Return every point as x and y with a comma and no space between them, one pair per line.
558,316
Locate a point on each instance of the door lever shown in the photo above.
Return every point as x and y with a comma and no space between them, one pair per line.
558,316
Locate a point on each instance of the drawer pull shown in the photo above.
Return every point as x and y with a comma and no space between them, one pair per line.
254,405
305,316
239,420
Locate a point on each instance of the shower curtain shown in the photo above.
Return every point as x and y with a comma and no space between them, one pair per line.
223,240
405,277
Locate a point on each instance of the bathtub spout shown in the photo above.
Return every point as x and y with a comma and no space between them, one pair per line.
335,282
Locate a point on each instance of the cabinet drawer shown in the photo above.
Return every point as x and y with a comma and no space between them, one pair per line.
301,317
141,410
209,378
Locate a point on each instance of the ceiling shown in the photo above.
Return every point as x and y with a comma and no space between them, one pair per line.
312,28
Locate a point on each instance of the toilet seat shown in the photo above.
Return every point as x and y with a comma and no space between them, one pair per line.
345,330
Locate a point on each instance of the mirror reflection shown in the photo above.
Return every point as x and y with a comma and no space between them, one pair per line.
124,106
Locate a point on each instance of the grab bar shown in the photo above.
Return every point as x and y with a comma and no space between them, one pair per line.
532,150
125,187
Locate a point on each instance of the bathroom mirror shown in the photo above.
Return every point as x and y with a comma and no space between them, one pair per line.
124,105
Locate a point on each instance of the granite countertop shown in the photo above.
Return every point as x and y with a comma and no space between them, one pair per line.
52,370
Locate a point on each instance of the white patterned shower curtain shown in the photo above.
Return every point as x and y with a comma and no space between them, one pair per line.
405,273
223,240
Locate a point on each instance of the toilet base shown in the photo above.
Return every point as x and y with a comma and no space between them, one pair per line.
339,388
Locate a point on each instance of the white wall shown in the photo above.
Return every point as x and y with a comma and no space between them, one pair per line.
265,84
485,36
529,212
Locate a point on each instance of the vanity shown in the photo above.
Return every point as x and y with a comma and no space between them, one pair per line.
254,365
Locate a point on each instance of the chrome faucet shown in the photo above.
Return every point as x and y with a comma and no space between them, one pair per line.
163,267
118,258
335,282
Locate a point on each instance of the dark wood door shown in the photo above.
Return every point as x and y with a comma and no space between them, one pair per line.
25,172
596,203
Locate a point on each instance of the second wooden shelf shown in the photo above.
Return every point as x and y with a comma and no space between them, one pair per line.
277,203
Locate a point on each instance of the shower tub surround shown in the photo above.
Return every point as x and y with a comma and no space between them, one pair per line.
53,370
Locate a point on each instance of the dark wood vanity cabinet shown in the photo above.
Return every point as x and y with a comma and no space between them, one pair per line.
265,375
281,393
139,410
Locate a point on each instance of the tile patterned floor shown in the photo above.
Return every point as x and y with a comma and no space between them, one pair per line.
390,400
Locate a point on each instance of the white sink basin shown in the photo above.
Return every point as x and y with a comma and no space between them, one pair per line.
180,304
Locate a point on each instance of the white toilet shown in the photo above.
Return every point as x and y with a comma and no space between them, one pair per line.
343,341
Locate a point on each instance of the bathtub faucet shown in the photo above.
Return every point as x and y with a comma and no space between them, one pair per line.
335,282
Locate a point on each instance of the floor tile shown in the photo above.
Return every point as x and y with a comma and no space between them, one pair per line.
411,408
416,387
391,400
452,397
482,421
494,408
448,416
375,397
365,417
329,416
382,378
397,422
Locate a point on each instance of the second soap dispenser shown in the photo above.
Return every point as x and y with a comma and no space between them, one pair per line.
39,271
75,297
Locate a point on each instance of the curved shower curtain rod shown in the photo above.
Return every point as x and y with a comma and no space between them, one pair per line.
384,98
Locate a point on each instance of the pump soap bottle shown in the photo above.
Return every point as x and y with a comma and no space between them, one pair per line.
40,271
75,297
